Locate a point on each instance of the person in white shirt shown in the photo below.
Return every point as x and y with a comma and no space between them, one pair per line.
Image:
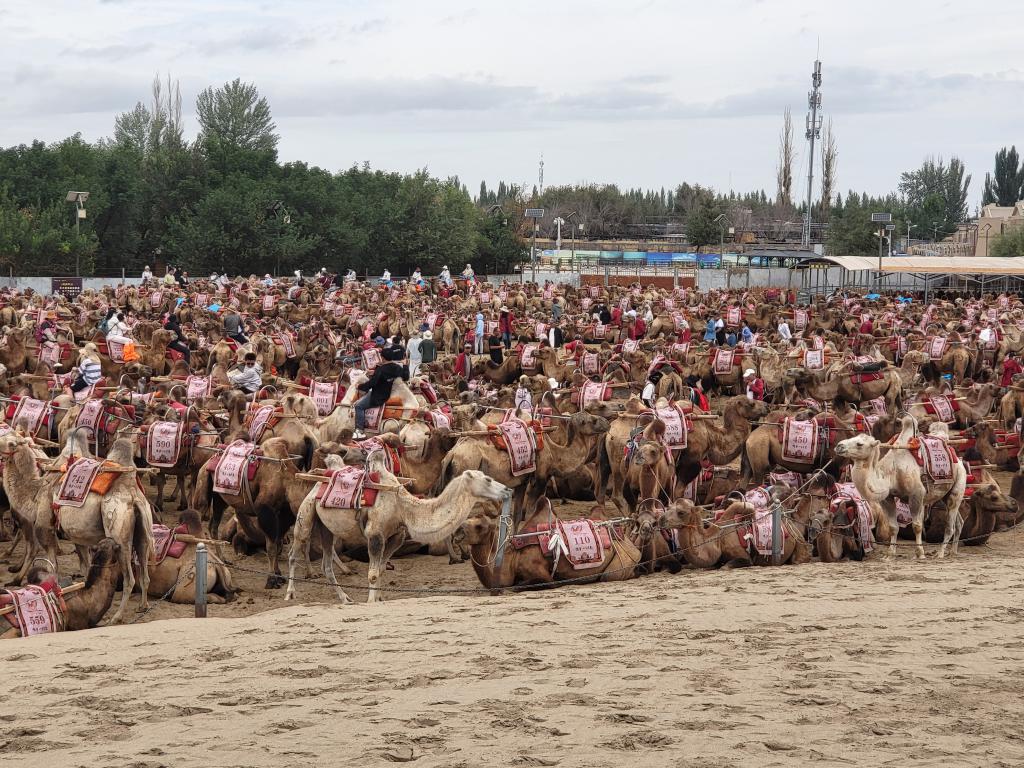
249,378
417,275
268,280
986,334
350,276
784,333
468,273
648,314
147,274
446,276
650,389
222,281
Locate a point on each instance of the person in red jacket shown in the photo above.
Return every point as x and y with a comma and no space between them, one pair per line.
464,362
755,386
685,334
639,328
617,316
1011,367
867,327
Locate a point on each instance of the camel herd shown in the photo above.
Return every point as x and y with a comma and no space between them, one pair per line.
881,420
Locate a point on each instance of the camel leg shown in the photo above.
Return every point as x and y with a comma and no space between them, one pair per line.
917,508
301,535
380,552
328,566
128,575
951,535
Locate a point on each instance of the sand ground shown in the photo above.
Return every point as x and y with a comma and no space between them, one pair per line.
875,663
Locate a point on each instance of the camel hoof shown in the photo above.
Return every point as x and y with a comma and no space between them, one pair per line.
275,582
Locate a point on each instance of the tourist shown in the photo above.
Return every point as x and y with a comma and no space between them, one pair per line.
248,376
506,324
746,334
446,276
117,331
478,333
233,326
754,385
428,349
523,399
178,341
650,391
1011,367
494,348
413,350
710,335
784,333
377,389
464,362
147,274
89,369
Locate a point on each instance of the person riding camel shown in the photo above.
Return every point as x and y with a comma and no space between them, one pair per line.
378,387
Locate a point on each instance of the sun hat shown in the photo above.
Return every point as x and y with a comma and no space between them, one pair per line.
428,335
749,372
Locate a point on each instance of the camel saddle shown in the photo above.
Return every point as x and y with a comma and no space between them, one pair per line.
252,464
80,476
929,452
38,608
345,488
521,440
943,407
260,418
166,543
582,542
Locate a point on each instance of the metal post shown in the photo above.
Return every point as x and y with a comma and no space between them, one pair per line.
77,251
200,581
776,533
533,253
675,277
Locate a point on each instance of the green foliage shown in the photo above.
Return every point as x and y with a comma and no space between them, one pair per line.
935,195
701,228
235,115
1010,243
1004,185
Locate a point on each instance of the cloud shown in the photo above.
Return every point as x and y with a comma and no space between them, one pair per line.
392,96
110,52
369,26
255,41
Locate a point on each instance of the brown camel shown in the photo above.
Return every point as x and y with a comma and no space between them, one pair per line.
530,565
174,578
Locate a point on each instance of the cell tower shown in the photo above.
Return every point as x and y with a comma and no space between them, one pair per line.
813,132
540,174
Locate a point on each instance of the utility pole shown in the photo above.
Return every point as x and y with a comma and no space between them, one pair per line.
813,132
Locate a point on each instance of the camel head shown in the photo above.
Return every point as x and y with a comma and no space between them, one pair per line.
754,410
10,442
299,405
916,357
104,559
480,485
990,498
680,513
857,447
587,424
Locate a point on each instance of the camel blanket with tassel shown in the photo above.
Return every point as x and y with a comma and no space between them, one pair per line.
325,395
723,361
761,526
591,392
814,359
528,361
582,542
345,489
30,414
799,441
78,481
943,407
936,347
259,419
38,608
163,443
198,387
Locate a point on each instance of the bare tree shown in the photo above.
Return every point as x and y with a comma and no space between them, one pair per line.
785,171
829,158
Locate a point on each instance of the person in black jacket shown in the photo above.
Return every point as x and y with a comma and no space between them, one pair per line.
378,389
178,343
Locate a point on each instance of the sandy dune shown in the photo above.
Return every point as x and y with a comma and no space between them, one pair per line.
862,664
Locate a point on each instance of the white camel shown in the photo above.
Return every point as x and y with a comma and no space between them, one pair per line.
396,516
897,474
343,417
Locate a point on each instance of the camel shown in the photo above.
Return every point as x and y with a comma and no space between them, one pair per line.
838,383
969,410
529,565
86,608
955,360
395,516
343,416
123,513
423,450
642,473
174,578
897,475
583,433
985,510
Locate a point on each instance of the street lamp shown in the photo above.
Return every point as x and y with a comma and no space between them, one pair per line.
723,221
572,259
985,230
78,198
277,210
909,227
935,231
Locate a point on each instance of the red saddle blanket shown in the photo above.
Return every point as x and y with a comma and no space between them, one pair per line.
865,378
166,544
520,440
28,412
582,542
677,427
325,395
261,418
345,489
936,457
198,387
847,493
77,481
164,443
591,392
800,441
943,407
723,361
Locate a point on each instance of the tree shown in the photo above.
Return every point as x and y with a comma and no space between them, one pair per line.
936,194
784,175
237,116
829,159
1004,185
701,228
1010,243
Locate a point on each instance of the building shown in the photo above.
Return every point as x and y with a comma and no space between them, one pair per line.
994,221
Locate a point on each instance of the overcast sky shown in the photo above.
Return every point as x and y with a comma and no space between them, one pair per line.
636,92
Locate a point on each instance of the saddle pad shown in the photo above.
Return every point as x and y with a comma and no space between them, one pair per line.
599,331
325,395
878,406
269,300
440,419
818,342
36,611
50,354
800,319
595,291
89,416
579,542
591,364
681,349
156,299
799,441
198,387
733,315
345,489
519,443
371,358
30,413
814,359
163,443
115,349
374,416
904,516
75,485
630,346
675,427
723,361
230,469
285,340
943,406
788,479
936,347
762,532
936,457
593,392
863,525
166,544
258,421
432,320
528,361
